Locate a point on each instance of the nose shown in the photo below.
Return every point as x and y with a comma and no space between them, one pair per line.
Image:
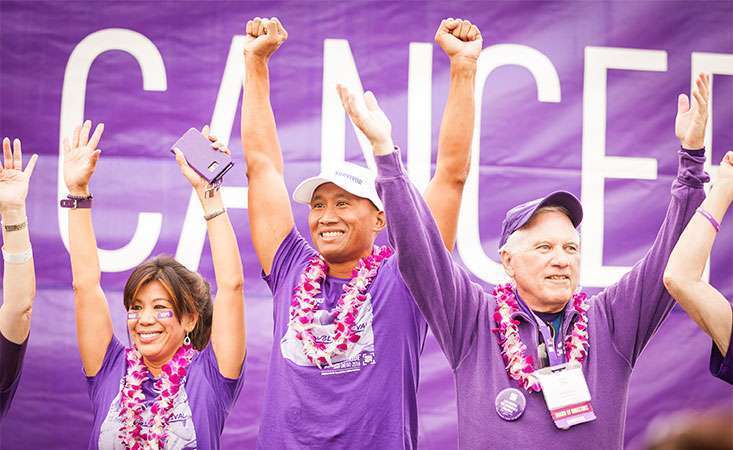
147,316
327,217
560,258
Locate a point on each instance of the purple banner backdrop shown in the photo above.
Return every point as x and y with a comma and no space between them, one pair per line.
573,82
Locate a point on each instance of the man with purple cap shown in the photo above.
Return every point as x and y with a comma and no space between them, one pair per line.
344,367
537,364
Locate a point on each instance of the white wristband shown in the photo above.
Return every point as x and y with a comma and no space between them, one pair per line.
18,258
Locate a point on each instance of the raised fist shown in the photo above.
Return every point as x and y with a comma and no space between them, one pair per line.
689,125
459,39
263,36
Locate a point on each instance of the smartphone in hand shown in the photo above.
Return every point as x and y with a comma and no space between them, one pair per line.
208,162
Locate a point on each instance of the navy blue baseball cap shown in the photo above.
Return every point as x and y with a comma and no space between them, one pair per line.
518,216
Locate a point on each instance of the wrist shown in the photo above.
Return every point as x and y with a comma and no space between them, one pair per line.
254,59
13,215
383,147
79,191
463,64
724,189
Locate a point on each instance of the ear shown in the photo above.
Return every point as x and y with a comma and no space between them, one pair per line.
380,222
506,261
189,321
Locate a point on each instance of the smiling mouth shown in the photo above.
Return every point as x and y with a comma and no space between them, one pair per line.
148,336
558,278
330,235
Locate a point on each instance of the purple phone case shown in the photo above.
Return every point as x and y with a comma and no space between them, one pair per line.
202,157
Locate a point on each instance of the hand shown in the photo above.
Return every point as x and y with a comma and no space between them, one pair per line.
14,180
80,158
689,125
197,182
725,171
371,120
459,39
263,36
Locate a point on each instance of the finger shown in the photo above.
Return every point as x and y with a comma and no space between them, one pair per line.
180,158
31,165
271,28
683,104
213,138
700,101
704,85
84,136
728,158
216,144
205,131
7,154
67,149
473,33
259,29
75,138
17,155
96,136
248,28
94,157
371,101
280,28
465,26
451,24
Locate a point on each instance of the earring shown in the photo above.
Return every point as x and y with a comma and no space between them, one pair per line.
187,340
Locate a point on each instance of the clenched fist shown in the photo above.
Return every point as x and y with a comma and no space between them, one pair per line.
459,39
263,36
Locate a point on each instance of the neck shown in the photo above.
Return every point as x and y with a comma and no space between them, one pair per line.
342,269
155,367
539,306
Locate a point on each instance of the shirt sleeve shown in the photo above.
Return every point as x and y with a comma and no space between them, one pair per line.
441,288
637,304
114,359
11,365
722,366
226,390
291,254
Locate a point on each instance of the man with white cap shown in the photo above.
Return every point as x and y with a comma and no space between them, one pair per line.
344,366
536,363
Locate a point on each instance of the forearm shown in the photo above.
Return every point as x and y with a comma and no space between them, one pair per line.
456,127
19,280
259,132
224,247
85,268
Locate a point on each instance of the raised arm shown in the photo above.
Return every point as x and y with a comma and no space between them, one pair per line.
93,322
461,41
638,303
228,335
270,212
19,276
441,288
683,277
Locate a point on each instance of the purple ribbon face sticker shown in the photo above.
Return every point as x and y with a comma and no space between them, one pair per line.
163,314
510,404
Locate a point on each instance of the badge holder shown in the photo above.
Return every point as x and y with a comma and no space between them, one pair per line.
566,394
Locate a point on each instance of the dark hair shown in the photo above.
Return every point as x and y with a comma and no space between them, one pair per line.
189,292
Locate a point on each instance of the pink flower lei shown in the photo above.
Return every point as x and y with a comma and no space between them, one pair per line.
519,365
304,305
132,406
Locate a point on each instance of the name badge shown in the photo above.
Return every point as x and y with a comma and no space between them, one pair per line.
566,394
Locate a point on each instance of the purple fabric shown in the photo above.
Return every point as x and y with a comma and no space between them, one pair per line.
198,413
722,366
369,402
622,319
527,148
11,366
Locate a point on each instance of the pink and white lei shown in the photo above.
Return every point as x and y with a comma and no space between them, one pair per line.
304,305
519,365
132,406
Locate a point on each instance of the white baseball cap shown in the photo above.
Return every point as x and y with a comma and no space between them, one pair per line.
356,180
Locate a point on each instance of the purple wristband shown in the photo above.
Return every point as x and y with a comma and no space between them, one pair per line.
710,218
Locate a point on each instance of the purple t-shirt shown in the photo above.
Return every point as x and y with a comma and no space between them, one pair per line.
11,364
722,366
198,413
365,400
622,319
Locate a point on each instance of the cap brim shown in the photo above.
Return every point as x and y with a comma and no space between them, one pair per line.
303,193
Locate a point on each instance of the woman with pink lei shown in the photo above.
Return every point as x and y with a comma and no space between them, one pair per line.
174,386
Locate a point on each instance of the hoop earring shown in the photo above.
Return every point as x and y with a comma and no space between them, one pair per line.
187,340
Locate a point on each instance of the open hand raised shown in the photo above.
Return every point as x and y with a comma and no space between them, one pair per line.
369,118
13,179
689,125
80,158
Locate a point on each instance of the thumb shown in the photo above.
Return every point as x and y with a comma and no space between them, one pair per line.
371,101
180,159
94,158
728,158
31,165
683,103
